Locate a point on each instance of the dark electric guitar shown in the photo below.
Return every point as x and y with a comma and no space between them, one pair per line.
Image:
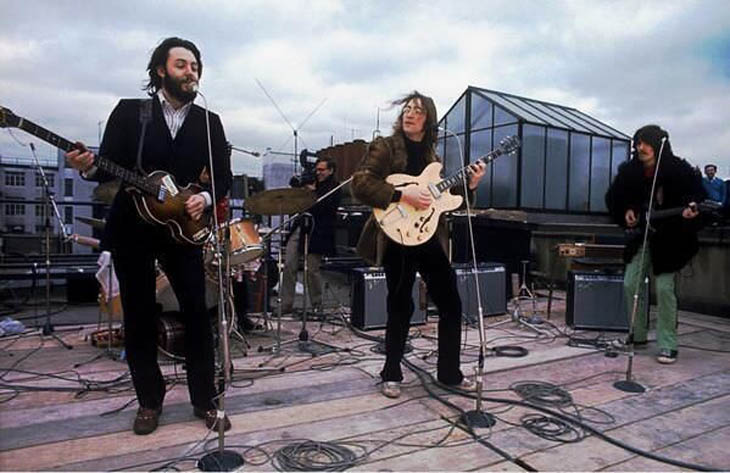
706,206
157,197
409,226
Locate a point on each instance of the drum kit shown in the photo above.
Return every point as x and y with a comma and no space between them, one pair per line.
245,247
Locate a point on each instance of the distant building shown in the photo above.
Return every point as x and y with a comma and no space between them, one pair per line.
21,190
22,217
80,193
278,173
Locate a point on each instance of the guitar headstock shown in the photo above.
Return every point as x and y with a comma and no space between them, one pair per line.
8,118
509,144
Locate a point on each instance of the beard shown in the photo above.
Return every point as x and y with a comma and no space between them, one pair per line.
174,87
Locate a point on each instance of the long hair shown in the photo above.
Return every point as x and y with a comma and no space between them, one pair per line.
159,59
430,125
652,135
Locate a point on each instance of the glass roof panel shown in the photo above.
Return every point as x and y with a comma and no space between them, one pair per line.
610,131
520,109
547,115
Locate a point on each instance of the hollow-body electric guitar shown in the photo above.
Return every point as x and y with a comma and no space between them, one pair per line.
405,224
157,197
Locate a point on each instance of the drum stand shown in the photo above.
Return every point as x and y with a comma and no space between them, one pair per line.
304,344
519,294
275,348
108,352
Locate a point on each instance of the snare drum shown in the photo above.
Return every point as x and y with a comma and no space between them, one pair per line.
245,242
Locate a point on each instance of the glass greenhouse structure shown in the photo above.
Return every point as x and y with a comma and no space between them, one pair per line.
566,162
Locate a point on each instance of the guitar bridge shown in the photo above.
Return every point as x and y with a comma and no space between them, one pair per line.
161,194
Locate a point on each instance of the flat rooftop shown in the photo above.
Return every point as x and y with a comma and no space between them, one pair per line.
72,410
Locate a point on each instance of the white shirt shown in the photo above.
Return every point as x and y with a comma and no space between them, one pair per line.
174,120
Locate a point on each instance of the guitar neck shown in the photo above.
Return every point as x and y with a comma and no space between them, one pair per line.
458,177
130,177
666,213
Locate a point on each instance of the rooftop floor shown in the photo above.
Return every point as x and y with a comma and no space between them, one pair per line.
58,415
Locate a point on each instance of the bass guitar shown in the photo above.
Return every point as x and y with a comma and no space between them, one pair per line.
405,224
157,197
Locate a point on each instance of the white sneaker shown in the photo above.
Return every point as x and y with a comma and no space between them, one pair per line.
467,384
391,389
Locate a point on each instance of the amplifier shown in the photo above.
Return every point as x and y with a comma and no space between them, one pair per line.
596,301
492,289
369,292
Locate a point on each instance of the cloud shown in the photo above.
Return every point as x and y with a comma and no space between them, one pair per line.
64,64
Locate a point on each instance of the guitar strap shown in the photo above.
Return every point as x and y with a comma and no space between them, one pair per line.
145,116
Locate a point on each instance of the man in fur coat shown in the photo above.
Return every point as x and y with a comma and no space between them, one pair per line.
672,241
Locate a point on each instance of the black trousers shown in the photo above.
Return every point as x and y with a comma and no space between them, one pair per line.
134,263
400,264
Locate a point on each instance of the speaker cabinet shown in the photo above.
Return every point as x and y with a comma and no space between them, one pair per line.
596,301
369,293
492,289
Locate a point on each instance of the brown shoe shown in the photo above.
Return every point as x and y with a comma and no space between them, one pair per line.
211,418
146,420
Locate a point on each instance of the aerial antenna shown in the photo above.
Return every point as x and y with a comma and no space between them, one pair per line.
376,131
295,130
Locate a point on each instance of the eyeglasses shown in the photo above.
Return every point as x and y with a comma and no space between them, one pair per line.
415,110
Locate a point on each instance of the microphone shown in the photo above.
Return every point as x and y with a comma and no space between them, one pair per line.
194,87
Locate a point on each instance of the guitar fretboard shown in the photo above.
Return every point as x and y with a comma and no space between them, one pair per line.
130,177
458,177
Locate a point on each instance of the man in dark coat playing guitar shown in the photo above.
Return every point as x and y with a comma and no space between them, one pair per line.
408,150
175,140
672,241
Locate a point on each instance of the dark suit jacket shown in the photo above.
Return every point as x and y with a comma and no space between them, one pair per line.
324,213
184,157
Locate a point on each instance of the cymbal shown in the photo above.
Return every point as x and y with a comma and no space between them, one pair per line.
282,201
97,223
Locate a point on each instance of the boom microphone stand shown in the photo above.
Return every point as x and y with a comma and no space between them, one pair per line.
629,385
48,203
221,459
476,417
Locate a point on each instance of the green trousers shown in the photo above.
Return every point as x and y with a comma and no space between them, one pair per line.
666,328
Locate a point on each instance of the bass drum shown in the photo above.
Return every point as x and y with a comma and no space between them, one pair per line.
171,336
166,296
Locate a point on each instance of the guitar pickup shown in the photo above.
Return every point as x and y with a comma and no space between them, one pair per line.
161,194
434,191
201,234
169,184
402,211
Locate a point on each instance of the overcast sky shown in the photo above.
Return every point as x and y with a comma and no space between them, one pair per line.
64,64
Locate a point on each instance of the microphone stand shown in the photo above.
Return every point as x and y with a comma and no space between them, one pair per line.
476,417
221,459
629,385
48,203
305,344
